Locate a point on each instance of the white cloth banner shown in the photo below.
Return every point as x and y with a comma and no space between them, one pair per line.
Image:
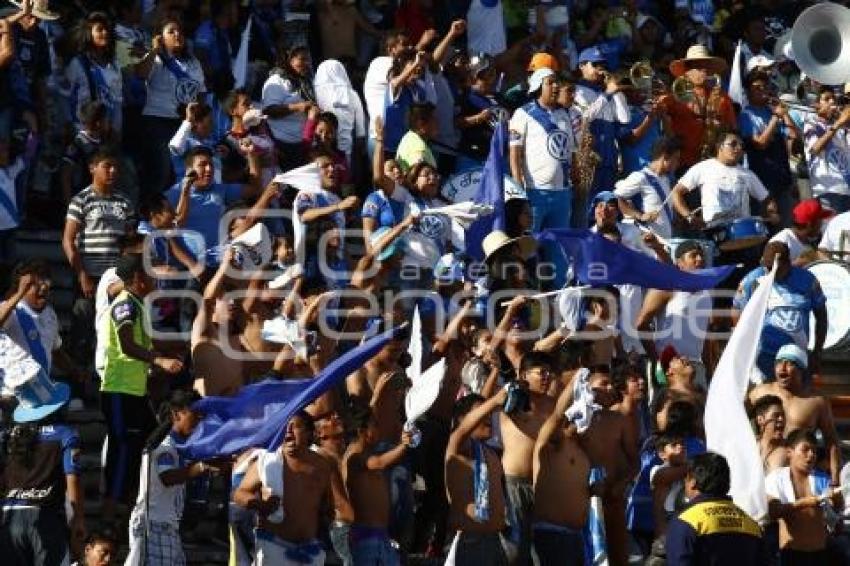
240,63
736,85
426,385
727,428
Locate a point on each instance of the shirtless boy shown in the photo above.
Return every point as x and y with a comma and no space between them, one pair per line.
794,495
369,491
330,444
802,410
609,444
561,490
215,335
476,508
519,434
307,481
770,423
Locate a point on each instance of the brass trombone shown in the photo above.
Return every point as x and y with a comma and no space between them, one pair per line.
642,76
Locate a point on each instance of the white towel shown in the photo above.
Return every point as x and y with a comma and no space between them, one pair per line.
584,405
307,180
280,330
270,469
778,485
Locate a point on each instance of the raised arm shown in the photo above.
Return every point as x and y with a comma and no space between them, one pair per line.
379,179
501,331
555,421
469,423
144,67
402,78
8,306
215,287
457,29
441,346
181,211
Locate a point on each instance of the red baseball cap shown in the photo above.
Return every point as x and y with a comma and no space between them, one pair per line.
809,210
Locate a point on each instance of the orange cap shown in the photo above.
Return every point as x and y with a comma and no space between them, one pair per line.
543,60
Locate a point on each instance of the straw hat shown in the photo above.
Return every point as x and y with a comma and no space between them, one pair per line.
697,57
497,240
40,9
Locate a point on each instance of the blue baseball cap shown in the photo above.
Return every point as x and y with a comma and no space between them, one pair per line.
592,55
603,196
793,353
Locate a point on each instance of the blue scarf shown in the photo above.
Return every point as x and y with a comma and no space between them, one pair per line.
556,142
653,182
481,483
7,204
33,337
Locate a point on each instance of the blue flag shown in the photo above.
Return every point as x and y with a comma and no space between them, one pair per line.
257,416
598,261
491,191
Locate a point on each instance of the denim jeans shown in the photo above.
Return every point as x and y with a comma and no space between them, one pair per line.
552,208
34,536
339,533
373,549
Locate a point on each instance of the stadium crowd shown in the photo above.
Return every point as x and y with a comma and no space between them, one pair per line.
329,261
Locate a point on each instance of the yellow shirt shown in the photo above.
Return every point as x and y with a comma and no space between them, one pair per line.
121,373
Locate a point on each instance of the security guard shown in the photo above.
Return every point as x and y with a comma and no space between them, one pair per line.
712,530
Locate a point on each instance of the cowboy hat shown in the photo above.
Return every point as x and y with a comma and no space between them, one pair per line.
697,57
497,240
40,9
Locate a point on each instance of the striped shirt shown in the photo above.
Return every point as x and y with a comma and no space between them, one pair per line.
103,220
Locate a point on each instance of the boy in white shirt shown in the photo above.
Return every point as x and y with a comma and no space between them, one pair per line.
162,490
800,498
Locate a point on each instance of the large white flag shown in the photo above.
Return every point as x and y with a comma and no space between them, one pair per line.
736,85
727,429
240,63
426,384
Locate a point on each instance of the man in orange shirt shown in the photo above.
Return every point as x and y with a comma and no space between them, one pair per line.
707,106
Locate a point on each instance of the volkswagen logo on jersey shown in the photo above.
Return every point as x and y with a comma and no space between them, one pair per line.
558,145
432,226
187,90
